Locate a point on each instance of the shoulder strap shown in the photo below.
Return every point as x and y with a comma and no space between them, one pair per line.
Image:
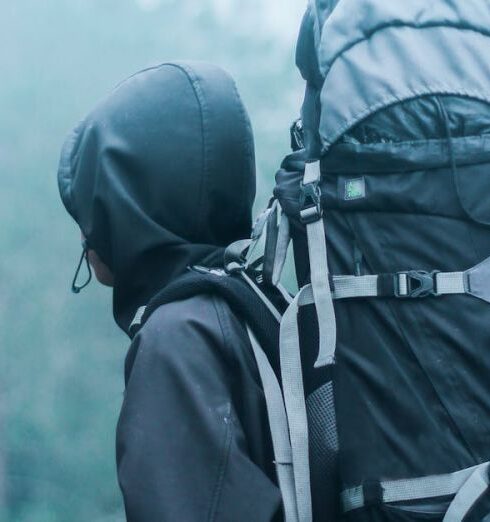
252,309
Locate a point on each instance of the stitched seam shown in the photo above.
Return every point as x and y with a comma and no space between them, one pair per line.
213,509
203,108
247,143
222,468
390,25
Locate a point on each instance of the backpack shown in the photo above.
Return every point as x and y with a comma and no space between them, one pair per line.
385,361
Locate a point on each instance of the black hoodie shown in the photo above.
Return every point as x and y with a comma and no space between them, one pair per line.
161,176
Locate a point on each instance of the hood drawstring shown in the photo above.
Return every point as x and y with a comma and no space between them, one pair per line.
77,288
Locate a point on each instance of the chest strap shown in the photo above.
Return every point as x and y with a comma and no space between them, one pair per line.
410,284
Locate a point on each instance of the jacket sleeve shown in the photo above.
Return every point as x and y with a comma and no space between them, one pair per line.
181,450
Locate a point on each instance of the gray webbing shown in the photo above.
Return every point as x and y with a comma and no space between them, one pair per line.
451,283
138,316
317,249
413,489
279,430
355,286
347,287
294,399
272,309
259,235
283,240
468,495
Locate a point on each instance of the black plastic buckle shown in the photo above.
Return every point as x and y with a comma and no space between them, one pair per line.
297,135
310,203
419,284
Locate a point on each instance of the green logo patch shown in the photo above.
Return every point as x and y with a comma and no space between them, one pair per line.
355,189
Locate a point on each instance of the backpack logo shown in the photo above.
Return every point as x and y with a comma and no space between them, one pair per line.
355,189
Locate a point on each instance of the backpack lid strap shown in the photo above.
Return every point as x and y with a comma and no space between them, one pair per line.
311,216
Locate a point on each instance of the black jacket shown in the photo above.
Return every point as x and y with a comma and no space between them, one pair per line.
161,176
193,438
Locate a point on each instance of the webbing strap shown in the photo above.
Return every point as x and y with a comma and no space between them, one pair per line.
469,494
451,283
256,248
283,240
294,399
272,309
355,286
137,318
349,287
317,249
279,430
416,489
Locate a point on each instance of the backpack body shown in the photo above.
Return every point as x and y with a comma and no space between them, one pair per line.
397,116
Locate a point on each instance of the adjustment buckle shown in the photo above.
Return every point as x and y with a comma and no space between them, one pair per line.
414,284
310,203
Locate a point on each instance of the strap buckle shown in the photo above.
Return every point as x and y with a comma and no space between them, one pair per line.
310,203
416,284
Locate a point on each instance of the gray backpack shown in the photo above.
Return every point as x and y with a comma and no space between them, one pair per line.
385,362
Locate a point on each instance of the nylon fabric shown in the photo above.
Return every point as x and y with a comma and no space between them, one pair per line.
376,53
411,375
319,273
346,287
416,488
349,287
353,21
137,317
283,241
401,67
468,495
262,296
167,160
279,430
294,399
451,283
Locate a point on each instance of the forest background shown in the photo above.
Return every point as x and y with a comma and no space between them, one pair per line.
61,357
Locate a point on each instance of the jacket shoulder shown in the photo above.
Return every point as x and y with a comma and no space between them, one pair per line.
200,328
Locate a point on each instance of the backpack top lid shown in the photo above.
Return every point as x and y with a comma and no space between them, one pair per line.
375,53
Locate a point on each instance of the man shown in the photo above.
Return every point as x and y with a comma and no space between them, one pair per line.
160,177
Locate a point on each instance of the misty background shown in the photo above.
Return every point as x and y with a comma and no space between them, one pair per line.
61,356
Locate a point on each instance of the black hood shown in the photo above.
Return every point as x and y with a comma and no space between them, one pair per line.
160,176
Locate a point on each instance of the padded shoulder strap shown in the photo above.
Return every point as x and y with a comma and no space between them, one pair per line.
237,293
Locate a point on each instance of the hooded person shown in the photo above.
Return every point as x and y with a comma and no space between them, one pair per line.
160,177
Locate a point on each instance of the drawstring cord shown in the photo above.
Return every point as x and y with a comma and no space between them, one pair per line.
84,257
